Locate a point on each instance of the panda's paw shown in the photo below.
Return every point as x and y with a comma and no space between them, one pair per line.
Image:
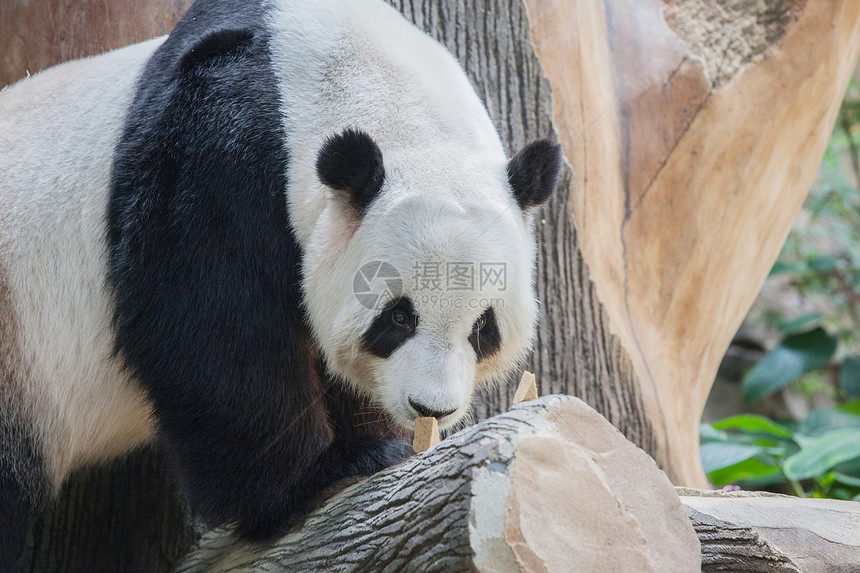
394,451
368,455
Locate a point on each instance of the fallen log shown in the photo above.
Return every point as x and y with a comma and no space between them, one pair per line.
547,486
769,533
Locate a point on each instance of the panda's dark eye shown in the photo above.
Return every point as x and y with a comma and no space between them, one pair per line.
479,324
392,327
400,318
485,337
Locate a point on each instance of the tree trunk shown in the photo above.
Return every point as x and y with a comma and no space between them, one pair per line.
547,486
38,34
695,128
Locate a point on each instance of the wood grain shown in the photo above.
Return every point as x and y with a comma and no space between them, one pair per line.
694,146
38,34
764,533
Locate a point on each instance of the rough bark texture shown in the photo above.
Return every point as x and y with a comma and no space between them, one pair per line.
695,128
547,486
746,531
38,34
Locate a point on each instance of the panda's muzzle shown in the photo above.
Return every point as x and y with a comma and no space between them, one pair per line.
429,412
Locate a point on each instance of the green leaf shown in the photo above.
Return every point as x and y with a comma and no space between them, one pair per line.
851,467
852,406
823,453
821,421
707,433
846,479
749,470
794,357
753,424
793,324
849,377
718,455
822,263
780,268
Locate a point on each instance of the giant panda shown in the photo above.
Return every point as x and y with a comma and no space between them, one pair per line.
183,223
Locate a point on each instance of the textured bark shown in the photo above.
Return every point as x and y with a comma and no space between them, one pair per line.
744,531
38,34
499,496
695,128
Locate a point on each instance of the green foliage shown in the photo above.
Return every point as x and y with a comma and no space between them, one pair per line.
819,457
795,356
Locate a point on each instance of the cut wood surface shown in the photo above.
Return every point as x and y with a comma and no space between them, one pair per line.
527,389
695,128
426,434
548,486
766,533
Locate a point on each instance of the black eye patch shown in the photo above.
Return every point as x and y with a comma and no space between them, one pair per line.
485,337
392,327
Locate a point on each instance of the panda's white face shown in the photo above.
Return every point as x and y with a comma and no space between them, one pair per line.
455,304
419,296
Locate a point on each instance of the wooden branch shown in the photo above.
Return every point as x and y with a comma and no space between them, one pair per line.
767,533
548,486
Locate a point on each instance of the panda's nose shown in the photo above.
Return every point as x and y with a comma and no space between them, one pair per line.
429,412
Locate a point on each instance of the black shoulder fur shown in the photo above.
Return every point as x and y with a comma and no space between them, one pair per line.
206,273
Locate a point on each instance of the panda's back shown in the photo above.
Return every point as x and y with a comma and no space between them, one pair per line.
58,130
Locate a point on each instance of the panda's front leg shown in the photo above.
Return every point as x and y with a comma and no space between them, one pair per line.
340,461
257,450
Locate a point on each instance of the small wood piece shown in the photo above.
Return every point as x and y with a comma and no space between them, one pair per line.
527,390
426,434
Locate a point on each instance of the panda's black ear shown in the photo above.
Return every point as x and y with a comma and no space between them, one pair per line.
534,172
351,164
217,43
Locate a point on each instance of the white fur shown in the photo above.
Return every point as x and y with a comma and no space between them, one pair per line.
54,177
445,198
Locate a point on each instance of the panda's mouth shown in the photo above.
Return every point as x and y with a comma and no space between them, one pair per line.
424,411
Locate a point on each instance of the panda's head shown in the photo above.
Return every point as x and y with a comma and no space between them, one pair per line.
418,275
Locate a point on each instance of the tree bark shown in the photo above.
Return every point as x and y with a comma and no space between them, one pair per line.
762,533
38,34
547,486
695,128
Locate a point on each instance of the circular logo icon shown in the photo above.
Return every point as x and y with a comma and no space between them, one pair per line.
375,283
